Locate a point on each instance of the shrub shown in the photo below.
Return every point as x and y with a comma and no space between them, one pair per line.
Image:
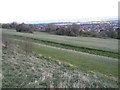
24,28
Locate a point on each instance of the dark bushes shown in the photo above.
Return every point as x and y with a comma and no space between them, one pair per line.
24,28
19,27
10,25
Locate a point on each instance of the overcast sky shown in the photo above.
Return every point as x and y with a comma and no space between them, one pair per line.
56,10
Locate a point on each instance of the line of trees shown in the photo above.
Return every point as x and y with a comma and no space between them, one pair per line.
10,25
74,30
19,27
71,30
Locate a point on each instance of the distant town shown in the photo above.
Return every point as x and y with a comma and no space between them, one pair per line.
86,25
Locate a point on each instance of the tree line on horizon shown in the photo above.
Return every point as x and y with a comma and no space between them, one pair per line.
22,27
71,30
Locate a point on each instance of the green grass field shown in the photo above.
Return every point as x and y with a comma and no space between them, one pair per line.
87,49
105,44
104,66
85,62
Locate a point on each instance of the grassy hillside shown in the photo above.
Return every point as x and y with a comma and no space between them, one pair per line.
104,44
87,49
58,61
20,71
83,61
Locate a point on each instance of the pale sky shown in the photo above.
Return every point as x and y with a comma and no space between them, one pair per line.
56,10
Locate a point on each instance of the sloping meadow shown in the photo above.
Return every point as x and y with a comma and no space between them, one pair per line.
37,71
33,62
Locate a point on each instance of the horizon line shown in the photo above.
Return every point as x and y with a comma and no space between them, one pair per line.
72,20
67,20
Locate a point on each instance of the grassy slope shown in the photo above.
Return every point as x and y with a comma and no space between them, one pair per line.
20,71
86,62
83,61
105,44
87,49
